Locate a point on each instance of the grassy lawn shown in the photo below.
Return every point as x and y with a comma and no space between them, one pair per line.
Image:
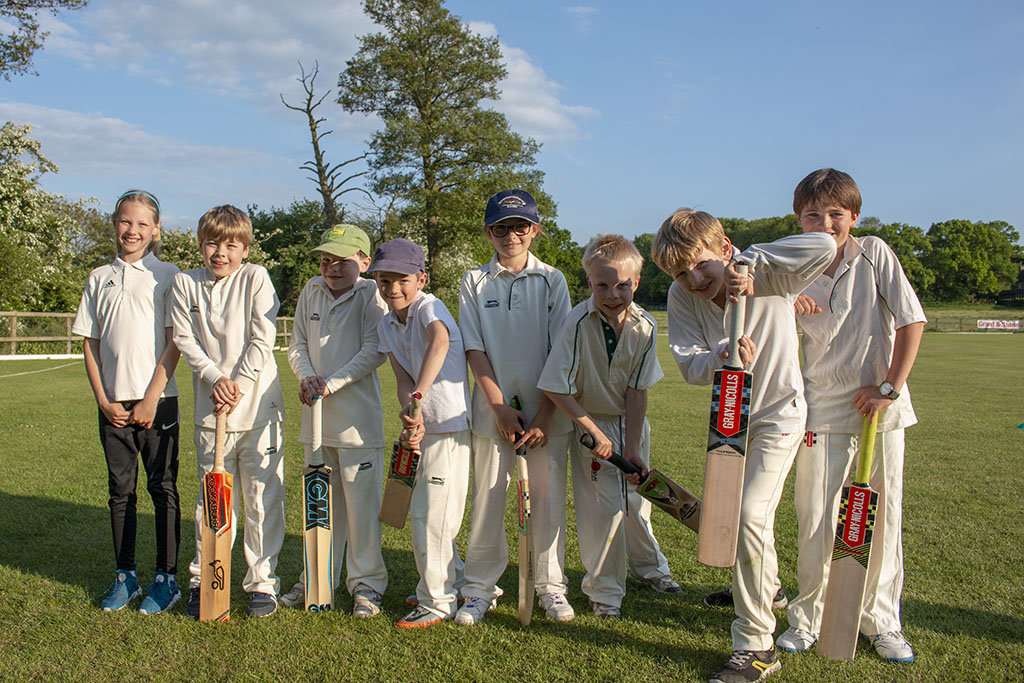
963,603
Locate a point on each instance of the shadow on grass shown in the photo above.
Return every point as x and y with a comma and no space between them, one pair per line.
958,621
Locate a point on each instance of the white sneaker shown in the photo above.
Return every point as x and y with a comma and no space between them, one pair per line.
296,597
604,611
893,647
366,603
472,611
556,606
796,640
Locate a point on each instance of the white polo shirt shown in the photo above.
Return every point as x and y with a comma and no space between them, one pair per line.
227,328
849,345
336,338
579,365
513,318
697,331
126,306
446,404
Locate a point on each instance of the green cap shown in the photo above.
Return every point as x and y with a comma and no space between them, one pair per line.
344,240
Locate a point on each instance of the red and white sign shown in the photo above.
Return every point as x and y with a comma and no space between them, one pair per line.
998,324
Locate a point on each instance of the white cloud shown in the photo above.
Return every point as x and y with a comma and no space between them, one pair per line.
582,17
241,48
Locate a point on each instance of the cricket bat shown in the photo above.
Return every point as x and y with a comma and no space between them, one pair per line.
526,561
659,489
844,593
317,539
394,506
726,454
215,536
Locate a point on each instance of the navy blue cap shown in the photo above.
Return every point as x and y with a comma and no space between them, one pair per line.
398,256
511,204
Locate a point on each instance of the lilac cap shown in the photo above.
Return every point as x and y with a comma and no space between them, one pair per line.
398,256
511,204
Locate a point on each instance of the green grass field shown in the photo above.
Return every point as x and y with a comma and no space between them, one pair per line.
963,603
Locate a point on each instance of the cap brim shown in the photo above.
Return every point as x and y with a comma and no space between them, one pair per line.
339,250
387,266
494,220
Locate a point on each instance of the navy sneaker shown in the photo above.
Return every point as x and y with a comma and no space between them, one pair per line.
261,605
124,589
162,594
192,608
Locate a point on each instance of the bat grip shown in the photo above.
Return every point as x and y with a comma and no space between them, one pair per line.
867,449
218,444
518,405
626,466
415,405
736,324
316,427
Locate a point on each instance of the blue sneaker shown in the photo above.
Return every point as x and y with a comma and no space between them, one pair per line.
162,594
124,589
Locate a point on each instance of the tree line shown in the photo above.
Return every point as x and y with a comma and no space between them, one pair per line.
441,151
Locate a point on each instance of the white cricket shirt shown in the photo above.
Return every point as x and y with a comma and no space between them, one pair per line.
446,404
849,344
336,338
697,329
513,318
227,328
126,306
578,363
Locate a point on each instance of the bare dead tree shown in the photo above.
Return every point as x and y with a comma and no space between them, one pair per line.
328,179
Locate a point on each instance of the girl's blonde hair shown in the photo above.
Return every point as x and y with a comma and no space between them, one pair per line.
149,200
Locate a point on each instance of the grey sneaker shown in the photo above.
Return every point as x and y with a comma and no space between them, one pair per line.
663,584
556,606
366,603
893,647
192,608
162,595
124,589
296,597
796,640
472,611
603,611
748,666
261,605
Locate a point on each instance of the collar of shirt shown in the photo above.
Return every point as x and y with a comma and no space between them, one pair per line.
495,269
145,263
421,298
633,315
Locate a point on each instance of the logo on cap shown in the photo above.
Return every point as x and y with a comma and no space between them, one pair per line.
512,202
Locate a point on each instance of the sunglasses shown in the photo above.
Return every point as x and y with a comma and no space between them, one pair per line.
502,230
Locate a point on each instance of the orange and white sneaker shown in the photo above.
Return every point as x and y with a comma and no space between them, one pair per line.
420,617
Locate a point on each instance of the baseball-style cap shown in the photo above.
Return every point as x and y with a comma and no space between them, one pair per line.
344,240
511,204
398,256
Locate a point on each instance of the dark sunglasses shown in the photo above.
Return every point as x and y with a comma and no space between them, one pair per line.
502,230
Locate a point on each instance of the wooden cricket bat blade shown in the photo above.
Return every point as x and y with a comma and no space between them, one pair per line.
851,551
318,516
215,536
526,557
394,506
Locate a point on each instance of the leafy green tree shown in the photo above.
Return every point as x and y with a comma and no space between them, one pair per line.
654,282
37,270
285,237
910,245
972,260
557,248
18,44
440,153
743,233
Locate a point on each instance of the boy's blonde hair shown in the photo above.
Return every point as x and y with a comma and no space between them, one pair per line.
149,200
612,249
225,223
683,236
827,185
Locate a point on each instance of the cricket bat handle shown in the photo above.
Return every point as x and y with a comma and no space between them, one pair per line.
316,427
626,466
518,405
415,408
867,439
739,310
218,444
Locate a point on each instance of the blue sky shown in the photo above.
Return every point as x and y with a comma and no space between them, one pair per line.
642,107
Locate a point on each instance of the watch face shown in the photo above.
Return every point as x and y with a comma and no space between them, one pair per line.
886,390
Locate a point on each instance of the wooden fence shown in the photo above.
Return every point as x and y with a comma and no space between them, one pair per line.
43,333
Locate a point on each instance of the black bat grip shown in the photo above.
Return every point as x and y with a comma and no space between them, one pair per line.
626,466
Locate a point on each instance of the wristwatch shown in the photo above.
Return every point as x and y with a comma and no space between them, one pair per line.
886,389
